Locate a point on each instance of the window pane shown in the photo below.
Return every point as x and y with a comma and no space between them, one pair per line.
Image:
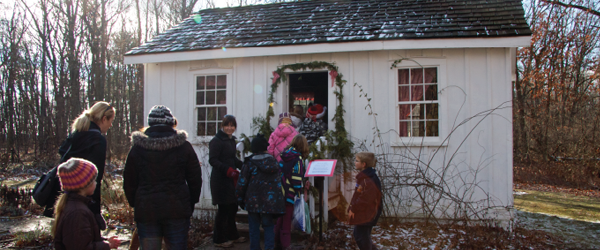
431,111
211,114
405,110
210,97
210,82
211,128
403,93
431,92
416,112
419,128
403,76
201,114
430,75
432,128
416,92
222,112
201,128
403,129
416,76
200,98
221,99
221,82
200,83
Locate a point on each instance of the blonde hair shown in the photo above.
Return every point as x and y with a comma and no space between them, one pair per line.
367,157
61,202
300,144
93,114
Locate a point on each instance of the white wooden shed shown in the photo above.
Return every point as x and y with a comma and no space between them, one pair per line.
439,75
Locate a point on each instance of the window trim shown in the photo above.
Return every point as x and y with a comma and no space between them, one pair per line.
440,64
195,138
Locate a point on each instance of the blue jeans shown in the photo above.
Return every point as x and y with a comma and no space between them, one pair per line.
362,236
174,232
254,222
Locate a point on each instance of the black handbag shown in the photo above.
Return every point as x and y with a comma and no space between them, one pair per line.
42,192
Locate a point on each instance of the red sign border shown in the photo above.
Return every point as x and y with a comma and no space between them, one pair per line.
332,169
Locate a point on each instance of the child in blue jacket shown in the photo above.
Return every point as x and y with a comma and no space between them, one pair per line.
366,205
259,192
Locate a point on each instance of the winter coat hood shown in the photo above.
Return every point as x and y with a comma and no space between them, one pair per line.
284,130
265,163
159,138
370,173
289,154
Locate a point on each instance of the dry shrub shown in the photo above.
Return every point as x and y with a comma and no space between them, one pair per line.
115,202
200,229
17,202
495,237
566,173
39,237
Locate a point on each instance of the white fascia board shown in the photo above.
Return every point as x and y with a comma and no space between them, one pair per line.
503,42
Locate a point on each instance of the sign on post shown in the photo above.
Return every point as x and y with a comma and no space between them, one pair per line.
321,168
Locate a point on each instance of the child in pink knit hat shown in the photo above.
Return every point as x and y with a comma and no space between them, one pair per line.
75,226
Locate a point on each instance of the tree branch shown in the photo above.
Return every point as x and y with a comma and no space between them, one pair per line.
569,5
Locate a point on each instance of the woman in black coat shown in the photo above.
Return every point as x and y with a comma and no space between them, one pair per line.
87,142
162,180
223,179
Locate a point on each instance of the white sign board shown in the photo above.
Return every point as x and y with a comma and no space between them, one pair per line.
321,168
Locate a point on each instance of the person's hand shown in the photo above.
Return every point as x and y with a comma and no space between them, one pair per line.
233,174
113,242
350,216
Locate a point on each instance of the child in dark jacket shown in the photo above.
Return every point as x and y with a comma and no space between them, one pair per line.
366,205
292,174
259,192
75,226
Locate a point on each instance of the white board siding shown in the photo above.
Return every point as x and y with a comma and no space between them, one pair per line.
473,81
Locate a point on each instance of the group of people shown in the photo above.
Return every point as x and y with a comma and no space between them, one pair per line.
162,180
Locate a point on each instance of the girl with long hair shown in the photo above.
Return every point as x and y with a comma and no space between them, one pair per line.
292,176
74,226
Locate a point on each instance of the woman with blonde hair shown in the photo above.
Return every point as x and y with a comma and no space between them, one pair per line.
87,142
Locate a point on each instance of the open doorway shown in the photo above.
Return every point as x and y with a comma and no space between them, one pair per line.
306,88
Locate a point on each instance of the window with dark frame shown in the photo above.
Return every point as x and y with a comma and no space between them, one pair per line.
418,102
211,103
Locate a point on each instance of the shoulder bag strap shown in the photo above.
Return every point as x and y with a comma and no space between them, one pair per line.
62,159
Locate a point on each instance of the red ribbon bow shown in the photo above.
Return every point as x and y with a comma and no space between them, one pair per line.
275,76
333,75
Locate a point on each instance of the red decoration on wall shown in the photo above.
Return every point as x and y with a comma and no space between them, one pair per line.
275,76
333,75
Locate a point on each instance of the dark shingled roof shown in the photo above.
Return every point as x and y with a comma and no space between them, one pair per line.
308,22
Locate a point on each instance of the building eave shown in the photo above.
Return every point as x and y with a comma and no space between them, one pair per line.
446,43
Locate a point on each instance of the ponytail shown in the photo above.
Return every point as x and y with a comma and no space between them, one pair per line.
93,114
58,209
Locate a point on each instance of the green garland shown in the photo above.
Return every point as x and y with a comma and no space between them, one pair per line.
338,143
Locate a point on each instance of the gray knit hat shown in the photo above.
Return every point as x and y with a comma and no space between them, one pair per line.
160,114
